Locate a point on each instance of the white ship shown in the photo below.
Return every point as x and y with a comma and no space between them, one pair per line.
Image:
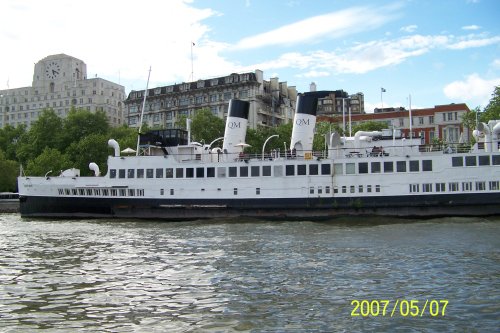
372,173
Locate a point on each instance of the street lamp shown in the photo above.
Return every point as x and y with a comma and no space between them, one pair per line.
264,146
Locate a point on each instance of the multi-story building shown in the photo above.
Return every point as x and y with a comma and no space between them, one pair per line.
442,122
340,102
271,102
60,82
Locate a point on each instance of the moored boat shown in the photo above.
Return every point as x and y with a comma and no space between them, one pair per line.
372,173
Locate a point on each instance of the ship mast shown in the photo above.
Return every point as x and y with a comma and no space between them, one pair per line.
142,113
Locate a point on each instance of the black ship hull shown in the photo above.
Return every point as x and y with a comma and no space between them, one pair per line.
270,208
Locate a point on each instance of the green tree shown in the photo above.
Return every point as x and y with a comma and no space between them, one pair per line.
206,126
369,126
92,148
124,135
8,175
79,123
9,140
49,159
492,110
46,132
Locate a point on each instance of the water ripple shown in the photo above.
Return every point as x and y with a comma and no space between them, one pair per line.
87,276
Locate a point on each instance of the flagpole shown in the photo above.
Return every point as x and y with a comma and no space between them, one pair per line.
192,70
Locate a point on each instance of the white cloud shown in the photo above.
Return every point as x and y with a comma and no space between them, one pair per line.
409,28
331,25
313,74
474,90
496,63
114,38
471,27
473,41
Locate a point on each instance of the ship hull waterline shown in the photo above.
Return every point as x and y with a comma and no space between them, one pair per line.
282,209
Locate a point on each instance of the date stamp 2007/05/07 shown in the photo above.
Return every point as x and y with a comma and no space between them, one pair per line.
399,307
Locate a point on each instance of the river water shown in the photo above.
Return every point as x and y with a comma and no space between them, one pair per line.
249,276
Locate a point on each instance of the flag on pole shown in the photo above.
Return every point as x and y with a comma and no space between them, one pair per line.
382,89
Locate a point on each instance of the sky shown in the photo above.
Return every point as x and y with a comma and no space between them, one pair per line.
423,52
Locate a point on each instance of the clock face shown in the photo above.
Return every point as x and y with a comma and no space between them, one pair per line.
52,70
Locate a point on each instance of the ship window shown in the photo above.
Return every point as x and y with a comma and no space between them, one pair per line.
211,172
327,189
360,188
494,185
266,170
414,166
159,173
169,173
377,188
375,167
112,173
350,168
484,160
232,171
140,173
470,161
427,165
401,166
480,186
179,173
313,169
311,190
131,192
344,189
440,187
414,188
89,191
244,171
131,173
121,173
123,192
363,167
496,159
467,186
426,187
221,172
235,191
290,170
320,190
278,171
171,191
113,192
200,172
338,169
149,173
189,172
352,189
81,191
97,191
301,169
162,191
67,192
257,190
457,161
388,167
368,188
326,169
335,189
453,187
105,192
255,171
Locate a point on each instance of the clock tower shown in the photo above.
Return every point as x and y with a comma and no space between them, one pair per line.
56,70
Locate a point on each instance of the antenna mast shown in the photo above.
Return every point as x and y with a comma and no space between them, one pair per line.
142,113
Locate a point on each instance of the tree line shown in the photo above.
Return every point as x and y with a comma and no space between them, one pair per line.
55,144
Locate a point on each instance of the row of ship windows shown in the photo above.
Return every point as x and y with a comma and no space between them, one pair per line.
102,192
455,187
458,161
277,170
